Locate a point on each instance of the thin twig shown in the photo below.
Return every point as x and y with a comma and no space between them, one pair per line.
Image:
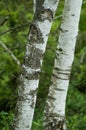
10,53
13,48
82,57
14,28
5,20
59,16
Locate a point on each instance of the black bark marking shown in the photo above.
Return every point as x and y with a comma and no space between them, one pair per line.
50,97
33,59
60,49
33,93
73,15
57,74
39,3
44,14
59,89
32,76
55,87
63,30
32,102
62,72
53,75
48,106
54,123
58,69
35,34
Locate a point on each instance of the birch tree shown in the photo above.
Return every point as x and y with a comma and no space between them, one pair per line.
35,48
34,6
54,114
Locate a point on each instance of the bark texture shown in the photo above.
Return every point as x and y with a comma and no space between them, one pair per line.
35,48
54,114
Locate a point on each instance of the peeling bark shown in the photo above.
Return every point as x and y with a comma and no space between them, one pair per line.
35,49
54,114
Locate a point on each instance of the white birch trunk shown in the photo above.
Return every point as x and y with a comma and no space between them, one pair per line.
35,48
34,6
54,114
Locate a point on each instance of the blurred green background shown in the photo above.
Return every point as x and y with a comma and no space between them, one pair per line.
18,14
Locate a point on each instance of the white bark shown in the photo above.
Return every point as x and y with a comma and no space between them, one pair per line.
35,48
54,114
34,6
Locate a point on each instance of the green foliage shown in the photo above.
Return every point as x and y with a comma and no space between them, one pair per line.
83,18
15,40
76,110
5,120
19,13
81,84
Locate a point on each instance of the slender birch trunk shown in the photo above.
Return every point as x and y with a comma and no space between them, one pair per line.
54,114
35,48
34,6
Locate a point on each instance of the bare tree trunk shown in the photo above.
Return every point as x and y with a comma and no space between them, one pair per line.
54,114
35,48
34,6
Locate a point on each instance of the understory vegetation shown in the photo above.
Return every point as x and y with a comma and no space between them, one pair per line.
15,18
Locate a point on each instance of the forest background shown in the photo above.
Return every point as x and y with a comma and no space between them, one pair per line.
15,18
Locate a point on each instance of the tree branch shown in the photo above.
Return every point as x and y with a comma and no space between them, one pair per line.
82,57
5,19
10,53
59,16
14,28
